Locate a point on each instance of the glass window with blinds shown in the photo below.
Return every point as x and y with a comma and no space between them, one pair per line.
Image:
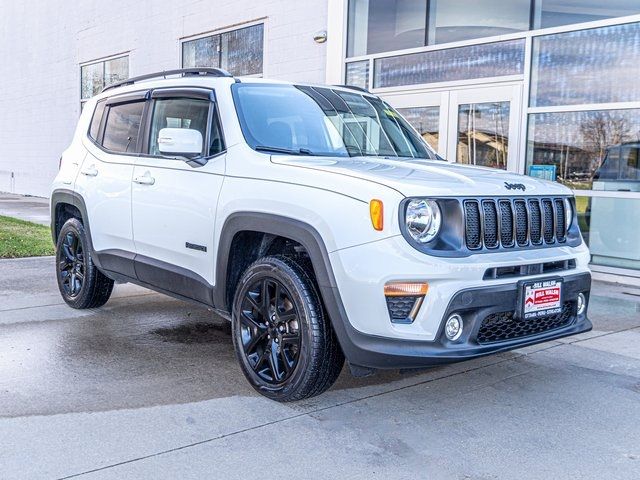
238,51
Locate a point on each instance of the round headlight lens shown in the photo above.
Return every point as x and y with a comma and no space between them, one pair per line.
423,220
568,209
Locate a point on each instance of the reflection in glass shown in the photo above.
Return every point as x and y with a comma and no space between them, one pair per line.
553,13
466,19
305,120
357,74
483,134
587,150
96,76
598,65
238,51
91,79
189,113
116,70
122,127
241,50
202,52
426,120
384,25
462,63
610,228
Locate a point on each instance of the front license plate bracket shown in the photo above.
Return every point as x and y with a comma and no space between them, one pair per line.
539,298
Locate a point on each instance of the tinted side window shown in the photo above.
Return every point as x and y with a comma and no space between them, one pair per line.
123,127
94,130
189,113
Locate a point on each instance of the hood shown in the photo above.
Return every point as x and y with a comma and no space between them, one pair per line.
413,178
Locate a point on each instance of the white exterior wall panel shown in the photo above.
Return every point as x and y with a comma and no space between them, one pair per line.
43,45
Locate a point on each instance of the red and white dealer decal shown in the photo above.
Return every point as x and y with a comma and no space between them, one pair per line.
542,298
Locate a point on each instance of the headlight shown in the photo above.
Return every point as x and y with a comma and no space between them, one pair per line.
568,209
423,220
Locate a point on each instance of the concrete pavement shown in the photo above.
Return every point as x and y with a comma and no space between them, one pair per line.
148,387
32,209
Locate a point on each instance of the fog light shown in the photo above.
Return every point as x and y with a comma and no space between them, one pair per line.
582,303
453,327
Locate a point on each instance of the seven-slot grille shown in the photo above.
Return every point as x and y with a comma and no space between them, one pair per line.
519,222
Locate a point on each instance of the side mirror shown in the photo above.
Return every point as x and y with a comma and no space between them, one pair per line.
183,142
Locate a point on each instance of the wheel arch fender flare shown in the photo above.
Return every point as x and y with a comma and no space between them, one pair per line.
277,225
312,241
74,199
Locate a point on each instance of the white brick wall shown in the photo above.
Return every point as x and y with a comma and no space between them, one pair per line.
43,43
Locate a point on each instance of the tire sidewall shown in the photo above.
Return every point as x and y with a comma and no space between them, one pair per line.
279,270
75,226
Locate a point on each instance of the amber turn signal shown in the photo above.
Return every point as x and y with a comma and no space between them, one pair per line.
406,289
376,211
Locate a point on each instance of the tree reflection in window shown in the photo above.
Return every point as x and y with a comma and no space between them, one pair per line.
590,150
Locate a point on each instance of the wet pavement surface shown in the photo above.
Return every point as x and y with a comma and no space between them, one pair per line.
32,209
148,387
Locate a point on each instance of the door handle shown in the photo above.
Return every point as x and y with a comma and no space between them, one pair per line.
145,179
91,171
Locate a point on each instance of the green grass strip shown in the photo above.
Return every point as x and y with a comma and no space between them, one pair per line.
19,238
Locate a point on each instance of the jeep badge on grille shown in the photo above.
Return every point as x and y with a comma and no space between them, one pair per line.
515,186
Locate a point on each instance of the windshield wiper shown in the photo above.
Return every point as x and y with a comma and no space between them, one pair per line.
289,151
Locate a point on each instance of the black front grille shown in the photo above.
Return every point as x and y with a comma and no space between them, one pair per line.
522,223
511,223
560,220
502,326
535,215
495,273
547,211
490,224
472,227
506,223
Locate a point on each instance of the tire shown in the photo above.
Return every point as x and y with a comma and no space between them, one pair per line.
290,353
80,282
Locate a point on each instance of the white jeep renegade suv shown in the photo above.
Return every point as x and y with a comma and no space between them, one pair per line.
318,222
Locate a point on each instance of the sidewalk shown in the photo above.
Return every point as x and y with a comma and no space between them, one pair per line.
149,387
32,209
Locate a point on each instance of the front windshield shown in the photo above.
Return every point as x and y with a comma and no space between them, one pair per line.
323,121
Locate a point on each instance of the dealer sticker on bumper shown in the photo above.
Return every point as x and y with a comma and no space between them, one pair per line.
542,298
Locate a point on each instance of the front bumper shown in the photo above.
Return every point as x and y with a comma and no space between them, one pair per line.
474,305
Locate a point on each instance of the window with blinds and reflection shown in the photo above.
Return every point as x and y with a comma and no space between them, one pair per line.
239,51
357,74
462,63
95,76
598,65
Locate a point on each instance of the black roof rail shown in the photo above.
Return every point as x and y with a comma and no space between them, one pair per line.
354,87
214,72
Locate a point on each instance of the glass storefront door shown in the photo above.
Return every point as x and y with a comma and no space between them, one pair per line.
483,126
427,113
475,126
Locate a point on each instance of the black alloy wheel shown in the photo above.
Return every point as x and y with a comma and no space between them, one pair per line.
71,266
80,282
270,330
282,336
